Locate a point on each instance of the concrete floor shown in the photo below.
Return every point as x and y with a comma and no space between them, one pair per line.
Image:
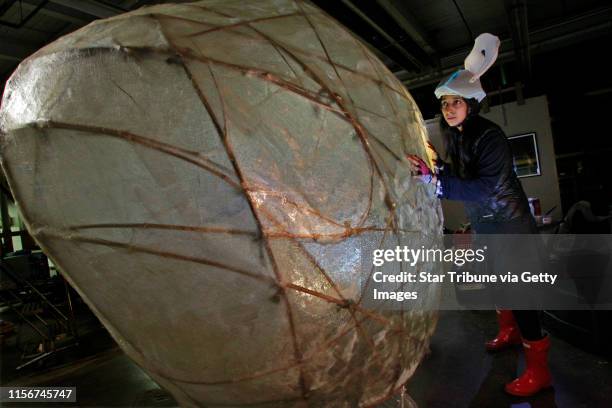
457,373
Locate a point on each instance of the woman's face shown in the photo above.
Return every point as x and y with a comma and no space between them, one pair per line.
454,108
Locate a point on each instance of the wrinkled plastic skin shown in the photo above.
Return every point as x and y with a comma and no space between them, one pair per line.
211,177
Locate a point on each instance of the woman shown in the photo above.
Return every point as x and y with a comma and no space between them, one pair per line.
481,174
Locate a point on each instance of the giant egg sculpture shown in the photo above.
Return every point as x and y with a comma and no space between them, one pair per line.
212,178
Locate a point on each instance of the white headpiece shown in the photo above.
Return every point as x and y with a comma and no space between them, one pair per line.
466,82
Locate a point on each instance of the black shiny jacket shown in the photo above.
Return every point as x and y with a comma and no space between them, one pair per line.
493,192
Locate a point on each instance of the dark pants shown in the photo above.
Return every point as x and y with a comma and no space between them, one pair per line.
527,320
529,324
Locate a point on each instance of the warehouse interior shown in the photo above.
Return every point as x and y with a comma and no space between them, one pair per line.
551,80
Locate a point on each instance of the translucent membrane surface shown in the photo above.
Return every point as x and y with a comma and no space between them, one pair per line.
212,178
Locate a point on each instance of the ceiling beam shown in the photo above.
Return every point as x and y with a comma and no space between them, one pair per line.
4,7
408,23
62,13
568,32
413,60
93,8
465,23
25,19
516,11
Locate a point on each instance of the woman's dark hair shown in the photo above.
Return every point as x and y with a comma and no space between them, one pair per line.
458,145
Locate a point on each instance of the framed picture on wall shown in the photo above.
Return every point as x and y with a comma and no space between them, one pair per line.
525,155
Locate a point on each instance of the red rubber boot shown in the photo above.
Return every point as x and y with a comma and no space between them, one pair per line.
508,335
536,375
